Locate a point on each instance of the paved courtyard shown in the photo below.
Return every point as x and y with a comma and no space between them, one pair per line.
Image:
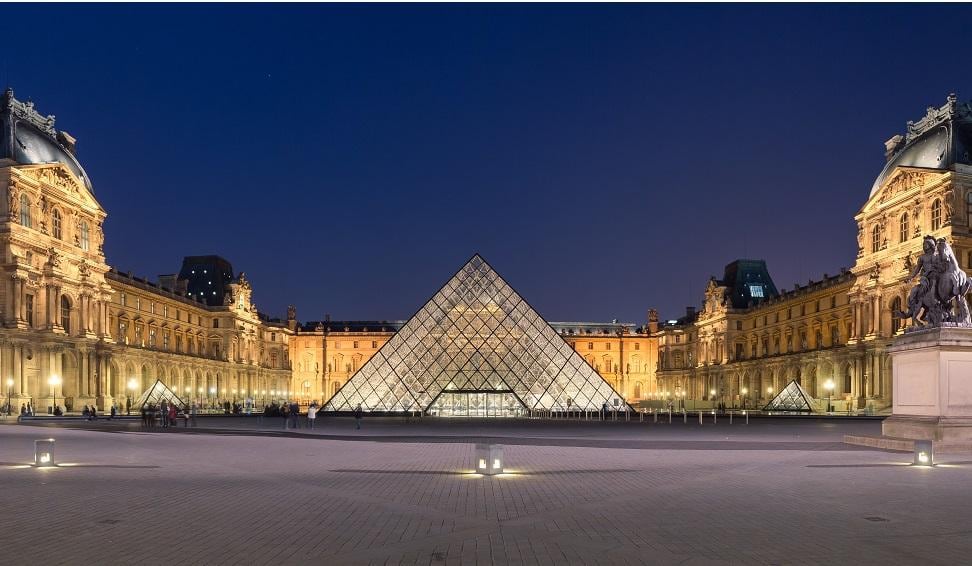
772,492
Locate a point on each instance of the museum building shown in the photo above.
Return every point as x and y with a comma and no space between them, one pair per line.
831,335
78,332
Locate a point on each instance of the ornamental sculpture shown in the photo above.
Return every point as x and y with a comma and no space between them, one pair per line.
939,297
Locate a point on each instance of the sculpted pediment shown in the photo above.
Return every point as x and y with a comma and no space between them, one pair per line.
904,180
59,176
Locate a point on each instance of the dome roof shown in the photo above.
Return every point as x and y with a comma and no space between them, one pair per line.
938,141
30,139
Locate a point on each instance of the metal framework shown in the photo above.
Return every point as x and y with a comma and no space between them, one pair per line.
791,398
155,394
476,349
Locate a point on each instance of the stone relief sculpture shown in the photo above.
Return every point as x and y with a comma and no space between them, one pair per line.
939,296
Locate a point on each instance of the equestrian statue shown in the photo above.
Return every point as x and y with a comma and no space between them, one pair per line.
939,296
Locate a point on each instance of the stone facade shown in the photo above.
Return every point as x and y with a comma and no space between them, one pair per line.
838,328
75,331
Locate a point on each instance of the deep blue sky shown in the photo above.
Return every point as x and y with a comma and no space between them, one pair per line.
604,159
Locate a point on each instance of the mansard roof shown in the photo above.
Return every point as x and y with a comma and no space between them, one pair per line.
28,138
942,138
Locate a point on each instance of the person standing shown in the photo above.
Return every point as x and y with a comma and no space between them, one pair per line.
357,417
172,415
164,414
285,413
193,415
311,415
295,415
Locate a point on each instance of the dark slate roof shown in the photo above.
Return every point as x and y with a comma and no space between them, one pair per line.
30,139
747,279
942,138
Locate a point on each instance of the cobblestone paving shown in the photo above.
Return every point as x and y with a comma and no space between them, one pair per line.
133,497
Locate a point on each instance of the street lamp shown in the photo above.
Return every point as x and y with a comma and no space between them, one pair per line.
132,384
744,391
54,381
212,395
829,386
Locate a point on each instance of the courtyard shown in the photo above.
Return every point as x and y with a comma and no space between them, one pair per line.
231,491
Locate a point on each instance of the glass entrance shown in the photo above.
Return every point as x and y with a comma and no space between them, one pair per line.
476,404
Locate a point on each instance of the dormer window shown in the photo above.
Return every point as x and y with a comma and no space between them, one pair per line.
756,291
24,211
56,224
84,237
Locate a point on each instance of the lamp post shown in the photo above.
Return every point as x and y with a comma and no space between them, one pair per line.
131,394
829,386
10,383
212,396
54,381
744,391
712,393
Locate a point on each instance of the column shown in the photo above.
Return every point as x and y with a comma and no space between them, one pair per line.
18,369
18,298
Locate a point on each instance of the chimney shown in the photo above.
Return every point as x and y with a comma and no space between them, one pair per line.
689,312
68,141
652,321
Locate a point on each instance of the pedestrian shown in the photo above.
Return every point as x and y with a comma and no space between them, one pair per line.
185,415
144,412
295,415
85,412
285,413
311,415
164,414
194,409
30,409
172,415
357,417
93,414
114,411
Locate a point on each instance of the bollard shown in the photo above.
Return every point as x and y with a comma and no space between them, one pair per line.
684,416
44,452
700,417
669,416
745,414
730,417
642,416
714,416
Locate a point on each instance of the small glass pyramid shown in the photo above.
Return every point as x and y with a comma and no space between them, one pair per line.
792,398
155,394
476,349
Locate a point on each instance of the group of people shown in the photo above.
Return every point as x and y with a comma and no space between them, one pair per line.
165,414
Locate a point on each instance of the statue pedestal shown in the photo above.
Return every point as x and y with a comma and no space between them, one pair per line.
932,372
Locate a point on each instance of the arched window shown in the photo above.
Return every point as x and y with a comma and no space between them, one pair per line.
637,390
25,211
936,215
84,235
56,224
66,314
876,239
903,235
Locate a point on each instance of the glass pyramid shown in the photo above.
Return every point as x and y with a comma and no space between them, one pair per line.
475,349
154,395
791,398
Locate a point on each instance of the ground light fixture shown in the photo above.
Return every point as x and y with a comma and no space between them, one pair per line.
489,459
44,452
924,453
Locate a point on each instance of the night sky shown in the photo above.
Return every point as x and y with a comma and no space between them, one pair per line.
604,159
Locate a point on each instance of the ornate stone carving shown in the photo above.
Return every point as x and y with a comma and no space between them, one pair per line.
26,111
939,297
901,183
83,269
53,258
13,203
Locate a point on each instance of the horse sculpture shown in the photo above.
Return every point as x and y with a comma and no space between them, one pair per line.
952,283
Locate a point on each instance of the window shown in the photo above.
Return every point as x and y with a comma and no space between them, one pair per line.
895,321
776,345
122,299
178,343
25,211
834,335
637,346
833,302
818,338
273,336
138,334
968,208
752,353
803,310
56,224
756,291
215,323
123,331
590,345
738,325
803,339
273,359
374,344
151,337
165,340
875,238
84,235
765,346
936,214
903,232
739,351
29,304
138,303
66,314
607,346
165,311
354,345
